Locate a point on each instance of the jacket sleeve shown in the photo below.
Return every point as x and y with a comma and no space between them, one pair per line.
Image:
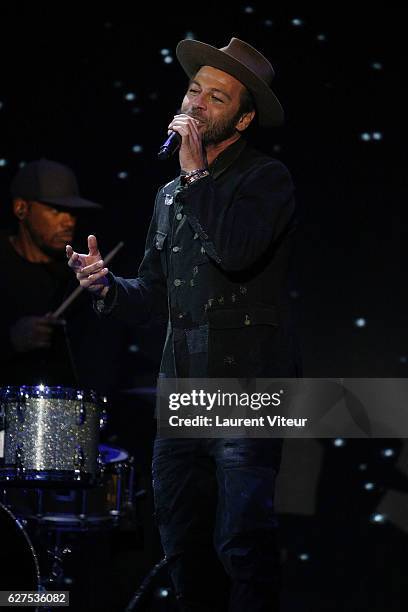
236,233
138,300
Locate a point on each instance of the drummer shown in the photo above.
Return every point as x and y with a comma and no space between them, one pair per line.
36,347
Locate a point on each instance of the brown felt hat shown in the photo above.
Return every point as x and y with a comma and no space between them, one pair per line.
241,61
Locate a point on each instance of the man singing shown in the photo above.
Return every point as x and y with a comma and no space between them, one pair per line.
217,259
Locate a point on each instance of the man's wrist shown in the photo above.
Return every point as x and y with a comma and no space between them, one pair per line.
105,300
192,176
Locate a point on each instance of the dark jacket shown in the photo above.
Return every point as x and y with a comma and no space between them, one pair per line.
217,258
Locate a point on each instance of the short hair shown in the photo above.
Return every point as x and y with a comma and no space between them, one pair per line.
247,103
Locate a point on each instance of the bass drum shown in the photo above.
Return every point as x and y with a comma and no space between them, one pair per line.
19,569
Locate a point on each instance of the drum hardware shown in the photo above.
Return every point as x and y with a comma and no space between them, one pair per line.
56,479
79,462
19,461
21,408
80,412
103,421
57,555
101,506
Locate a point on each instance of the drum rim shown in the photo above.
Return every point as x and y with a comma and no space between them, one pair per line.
28,540
11,393
10,476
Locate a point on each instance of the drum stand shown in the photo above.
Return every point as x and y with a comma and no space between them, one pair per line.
56,579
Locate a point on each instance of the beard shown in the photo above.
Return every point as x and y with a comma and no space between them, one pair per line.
218,131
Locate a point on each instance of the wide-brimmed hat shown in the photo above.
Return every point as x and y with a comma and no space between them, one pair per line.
49,182
244,63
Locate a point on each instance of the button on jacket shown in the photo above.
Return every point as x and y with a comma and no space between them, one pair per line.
217,259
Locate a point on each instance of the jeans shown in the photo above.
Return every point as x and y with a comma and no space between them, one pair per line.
215,513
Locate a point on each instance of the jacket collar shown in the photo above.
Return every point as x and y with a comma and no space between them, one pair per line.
227,157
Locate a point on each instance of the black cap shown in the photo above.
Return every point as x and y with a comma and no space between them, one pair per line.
49,182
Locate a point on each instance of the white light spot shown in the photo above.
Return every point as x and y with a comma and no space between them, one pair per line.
137,148
249,10
41,387
189,35
360,322
362,467
122,175
130,96
365,137
133,348
388,452
376,66
168,59
322,37
268,23
297,22
3,162
378,518
338,442
164,52
163,592
377,136
369,486
304,557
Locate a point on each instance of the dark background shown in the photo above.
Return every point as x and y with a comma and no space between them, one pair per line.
64,80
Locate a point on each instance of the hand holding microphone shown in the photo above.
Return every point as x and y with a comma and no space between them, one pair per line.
186,137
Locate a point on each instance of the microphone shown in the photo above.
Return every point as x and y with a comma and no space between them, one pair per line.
169,147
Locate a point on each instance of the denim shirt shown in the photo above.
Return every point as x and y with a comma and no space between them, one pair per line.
205,249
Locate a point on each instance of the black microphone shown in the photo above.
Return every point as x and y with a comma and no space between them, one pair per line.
169,147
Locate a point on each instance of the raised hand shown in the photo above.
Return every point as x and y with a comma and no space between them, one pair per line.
89,269
191,153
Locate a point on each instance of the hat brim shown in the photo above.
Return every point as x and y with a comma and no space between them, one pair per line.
71,202
192,54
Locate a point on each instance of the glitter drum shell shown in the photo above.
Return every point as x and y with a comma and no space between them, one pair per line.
51,436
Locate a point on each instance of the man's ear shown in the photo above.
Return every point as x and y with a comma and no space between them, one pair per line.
244,121
20,208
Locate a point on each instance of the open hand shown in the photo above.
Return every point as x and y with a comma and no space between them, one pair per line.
89,269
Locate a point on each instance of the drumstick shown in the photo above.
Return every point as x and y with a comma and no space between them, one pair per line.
78,290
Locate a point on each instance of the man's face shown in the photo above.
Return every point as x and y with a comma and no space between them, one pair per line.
213,97
51,229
